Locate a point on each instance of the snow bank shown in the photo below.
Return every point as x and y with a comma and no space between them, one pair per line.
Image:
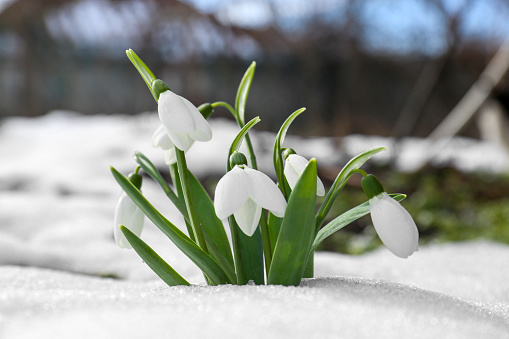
56,203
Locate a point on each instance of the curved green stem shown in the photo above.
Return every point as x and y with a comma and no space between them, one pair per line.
227,106
252,158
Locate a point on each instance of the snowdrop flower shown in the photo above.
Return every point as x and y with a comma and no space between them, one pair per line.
294,166
128,214
181,119
394,225
243,192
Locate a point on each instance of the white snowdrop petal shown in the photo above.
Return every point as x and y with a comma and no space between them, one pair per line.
248,217
297,162
170,157
181,140
320,189
231,193
161,139
202,130
265,192
394,225
291,175
294,166
129,215
174,113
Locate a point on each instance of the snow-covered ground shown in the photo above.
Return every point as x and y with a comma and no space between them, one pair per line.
56,204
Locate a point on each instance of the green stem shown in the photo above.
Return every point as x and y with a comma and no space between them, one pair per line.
191,209
328,201
252,157
227,106
175,178
267,248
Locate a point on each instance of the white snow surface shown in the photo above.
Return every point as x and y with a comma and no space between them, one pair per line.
56,205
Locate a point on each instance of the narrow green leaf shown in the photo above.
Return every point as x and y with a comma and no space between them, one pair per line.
151,170
153,260
340,182
248,253
277,154
297,231
144,71
274,225
345,219
240,137
243,92
225,264
203,260
210,223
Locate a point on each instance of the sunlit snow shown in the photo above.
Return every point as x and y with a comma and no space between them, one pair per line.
57,198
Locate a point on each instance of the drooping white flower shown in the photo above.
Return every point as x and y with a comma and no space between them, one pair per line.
243,192
129,215
394,225
294,166
182,121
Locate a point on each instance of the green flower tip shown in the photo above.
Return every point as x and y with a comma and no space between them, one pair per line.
135,179
206,110
237,158
158,87
287,152
371,186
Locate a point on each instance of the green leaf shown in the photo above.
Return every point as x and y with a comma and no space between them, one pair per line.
211,224
144,71
243,92
203,260
248,253
341,180
151,170
277,154
240,137
153,260
274,225
297,231
345,219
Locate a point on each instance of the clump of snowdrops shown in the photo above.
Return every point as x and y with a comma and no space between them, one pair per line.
275,227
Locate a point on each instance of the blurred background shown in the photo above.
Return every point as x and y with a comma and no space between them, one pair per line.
393,68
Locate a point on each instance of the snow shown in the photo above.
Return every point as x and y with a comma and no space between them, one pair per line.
56,204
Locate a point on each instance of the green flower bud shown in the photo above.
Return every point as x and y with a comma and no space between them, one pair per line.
237,158
371,186
158,87
206,110
135,179
287,152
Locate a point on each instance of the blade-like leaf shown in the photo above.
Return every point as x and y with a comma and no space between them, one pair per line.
151,170
274,225
210,223
277,154
248,251
240,137
345,219
144,71
153,260
203,260
341,180
297,231
243,92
